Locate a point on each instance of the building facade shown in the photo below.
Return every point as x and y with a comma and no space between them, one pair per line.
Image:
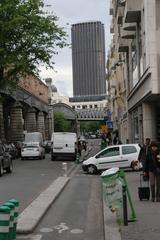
25,110
88,61
133,72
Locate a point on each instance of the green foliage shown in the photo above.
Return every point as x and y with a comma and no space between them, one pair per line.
90,126
27,38
60,123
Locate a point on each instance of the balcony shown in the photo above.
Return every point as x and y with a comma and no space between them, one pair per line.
129,26
127,34
122,45
132,12
122,2
112,27
120,13
111,8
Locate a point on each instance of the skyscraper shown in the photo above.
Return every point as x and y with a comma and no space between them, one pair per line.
88,61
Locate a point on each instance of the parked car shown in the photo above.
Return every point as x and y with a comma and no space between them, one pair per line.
12,150
5,160
32,150
121,156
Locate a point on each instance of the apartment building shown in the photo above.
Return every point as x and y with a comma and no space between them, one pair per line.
133,69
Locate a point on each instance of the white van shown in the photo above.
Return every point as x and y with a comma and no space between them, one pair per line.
63,145
33,137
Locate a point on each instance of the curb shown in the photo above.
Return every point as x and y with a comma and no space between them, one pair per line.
31,216
111,228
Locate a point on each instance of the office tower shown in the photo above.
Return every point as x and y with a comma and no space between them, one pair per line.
88,61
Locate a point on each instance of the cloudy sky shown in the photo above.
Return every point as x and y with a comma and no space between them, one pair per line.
71,12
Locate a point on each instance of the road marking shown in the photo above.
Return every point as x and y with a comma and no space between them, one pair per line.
46,230
76,231
30,237
61,227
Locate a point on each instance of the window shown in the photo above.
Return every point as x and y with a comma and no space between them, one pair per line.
84,106
110,152
129,150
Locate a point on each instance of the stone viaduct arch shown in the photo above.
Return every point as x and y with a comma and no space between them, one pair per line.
21,112
69,114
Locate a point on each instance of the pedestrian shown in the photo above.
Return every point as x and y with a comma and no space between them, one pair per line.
152,167
79,147
143,152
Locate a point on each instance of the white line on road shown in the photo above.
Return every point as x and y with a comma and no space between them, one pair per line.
29,237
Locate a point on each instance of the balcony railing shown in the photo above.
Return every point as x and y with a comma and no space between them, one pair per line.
132,12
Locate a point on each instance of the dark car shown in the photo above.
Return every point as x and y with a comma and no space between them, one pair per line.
11,148
5,160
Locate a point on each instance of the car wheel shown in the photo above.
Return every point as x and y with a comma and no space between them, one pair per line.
92,169
1,170
9,169
53,158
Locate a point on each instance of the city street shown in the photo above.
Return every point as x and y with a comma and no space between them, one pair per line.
77,212
29,179
82,210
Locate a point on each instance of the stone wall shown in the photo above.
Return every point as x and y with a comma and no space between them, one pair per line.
35,86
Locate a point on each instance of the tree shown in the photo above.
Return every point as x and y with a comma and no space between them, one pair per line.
27,38
90,126
60,123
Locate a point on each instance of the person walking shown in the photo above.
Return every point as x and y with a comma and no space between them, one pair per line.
143,152
152,166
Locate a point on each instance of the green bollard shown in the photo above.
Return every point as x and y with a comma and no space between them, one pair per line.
11,206
4,222
16,205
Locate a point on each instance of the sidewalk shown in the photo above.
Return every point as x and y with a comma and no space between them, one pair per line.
146,226
148,215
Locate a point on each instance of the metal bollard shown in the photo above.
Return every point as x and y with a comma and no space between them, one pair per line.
125,211
4,222
11,206
16,205
77,158
64,167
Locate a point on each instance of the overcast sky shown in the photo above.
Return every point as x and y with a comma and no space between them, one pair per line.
71,12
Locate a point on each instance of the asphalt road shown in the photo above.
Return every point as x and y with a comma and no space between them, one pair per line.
77,213
78,209
29,179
